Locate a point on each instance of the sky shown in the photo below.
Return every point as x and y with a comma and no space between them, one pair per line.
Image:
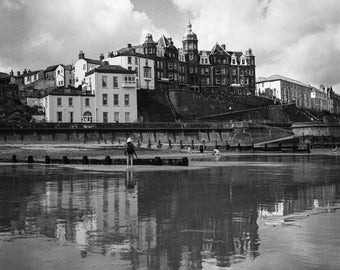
299,39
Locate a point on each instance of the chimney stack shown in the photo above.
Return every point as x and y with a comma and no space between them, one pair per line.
18,73
81,55
129,45
11,73
101,57
25,71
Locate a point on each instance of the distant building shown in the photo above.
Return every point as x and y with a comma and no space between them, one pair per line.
84,65
8,90
60,74
33,76
285,89
187,68
319,100
108,96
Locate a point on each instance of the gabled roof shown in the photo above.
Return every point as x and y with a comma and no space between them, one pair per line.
128,49
163,41
51,68
277,77
92,61
237,54
105,68
217,49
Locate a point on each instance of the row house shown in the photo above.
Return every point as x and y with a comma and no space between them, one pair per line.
62,75
110,96
84,65
187,68
288,90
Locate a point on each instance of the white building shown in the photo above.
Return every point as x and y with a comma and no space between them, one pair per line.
115,93
82,66
64,76
33,76
319,100
109,96
143,66
285,89
68,108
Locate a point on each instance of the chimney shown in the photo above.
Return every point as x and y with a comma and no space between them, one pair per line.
18,73
11,73
25,71
129,45
101,57
81,55
223,46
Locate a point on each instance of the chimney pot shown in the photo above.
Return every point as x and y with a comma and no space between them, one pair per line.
129,45
18,73
81,55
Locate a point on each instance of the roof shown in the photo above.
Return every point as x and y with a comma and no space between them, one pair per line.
32,72
110,69
128,49
3,75
237,54
163,41
218,49
277,77
92,61
51,68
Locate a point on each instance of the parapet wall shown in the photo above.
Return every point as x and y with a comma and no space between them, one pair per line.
243,133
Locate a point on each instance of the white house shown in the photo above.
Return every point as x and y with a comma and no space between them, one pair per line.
115,93
64,76
33,76
285,89
143,66
62,107
82,66
109,96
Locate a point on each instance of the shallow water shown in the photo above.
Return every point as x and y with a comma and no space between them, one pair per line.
263,212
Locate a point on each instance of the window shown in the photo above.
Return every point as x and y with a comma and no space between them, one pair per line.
35,77
233,61
115,82
59,103
115,99
104,99
127,100
105,117
70,117
127,117
136,61
58,71
59,117
206,60
70,102
129,60
116,117
234,72
147,72
104,81
87,102
84,67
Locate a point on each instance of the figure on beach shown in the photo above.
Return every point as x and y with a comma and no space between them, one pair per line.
130,153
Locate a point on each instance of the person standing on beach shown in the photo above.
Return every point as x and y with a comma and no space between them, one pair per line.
130,152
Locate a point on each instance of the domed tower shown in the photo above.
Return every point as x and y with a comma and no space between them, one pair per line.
190,43
149,46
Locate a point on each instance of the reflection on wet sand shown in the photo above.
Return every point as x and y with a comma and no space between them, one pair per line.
163,220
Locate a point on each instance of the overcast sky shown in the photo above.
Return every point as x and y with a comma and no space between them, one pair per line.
295,38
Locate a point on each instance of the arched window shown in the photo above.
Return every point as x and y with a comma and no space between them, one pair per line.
87,117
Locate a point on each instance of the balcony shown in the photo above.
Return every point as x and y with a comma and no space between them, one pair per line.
129,84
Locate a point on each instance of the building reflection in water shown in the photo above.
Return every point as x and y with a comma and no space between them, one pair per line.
161,220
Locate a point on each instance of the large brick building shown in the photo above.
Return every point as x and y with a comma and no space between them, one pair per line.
216,71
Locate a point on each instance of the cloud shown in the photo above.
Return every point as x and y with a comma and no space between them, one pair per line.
38,33
298,39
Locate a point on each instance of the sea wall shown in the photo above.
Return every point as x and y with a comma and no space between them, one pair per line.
171,134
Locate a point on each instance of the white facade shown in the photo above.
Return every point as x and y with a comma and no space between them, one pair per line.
63,76
110,97
285,89
31,77
143,66
82,66
69,108
115,96
319,100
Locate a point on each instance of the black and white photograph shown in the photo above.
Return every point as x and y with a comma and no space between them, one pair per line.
169,134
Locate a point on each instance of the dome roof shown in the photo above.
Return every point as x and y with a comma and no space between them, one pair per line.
148,39
189,35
